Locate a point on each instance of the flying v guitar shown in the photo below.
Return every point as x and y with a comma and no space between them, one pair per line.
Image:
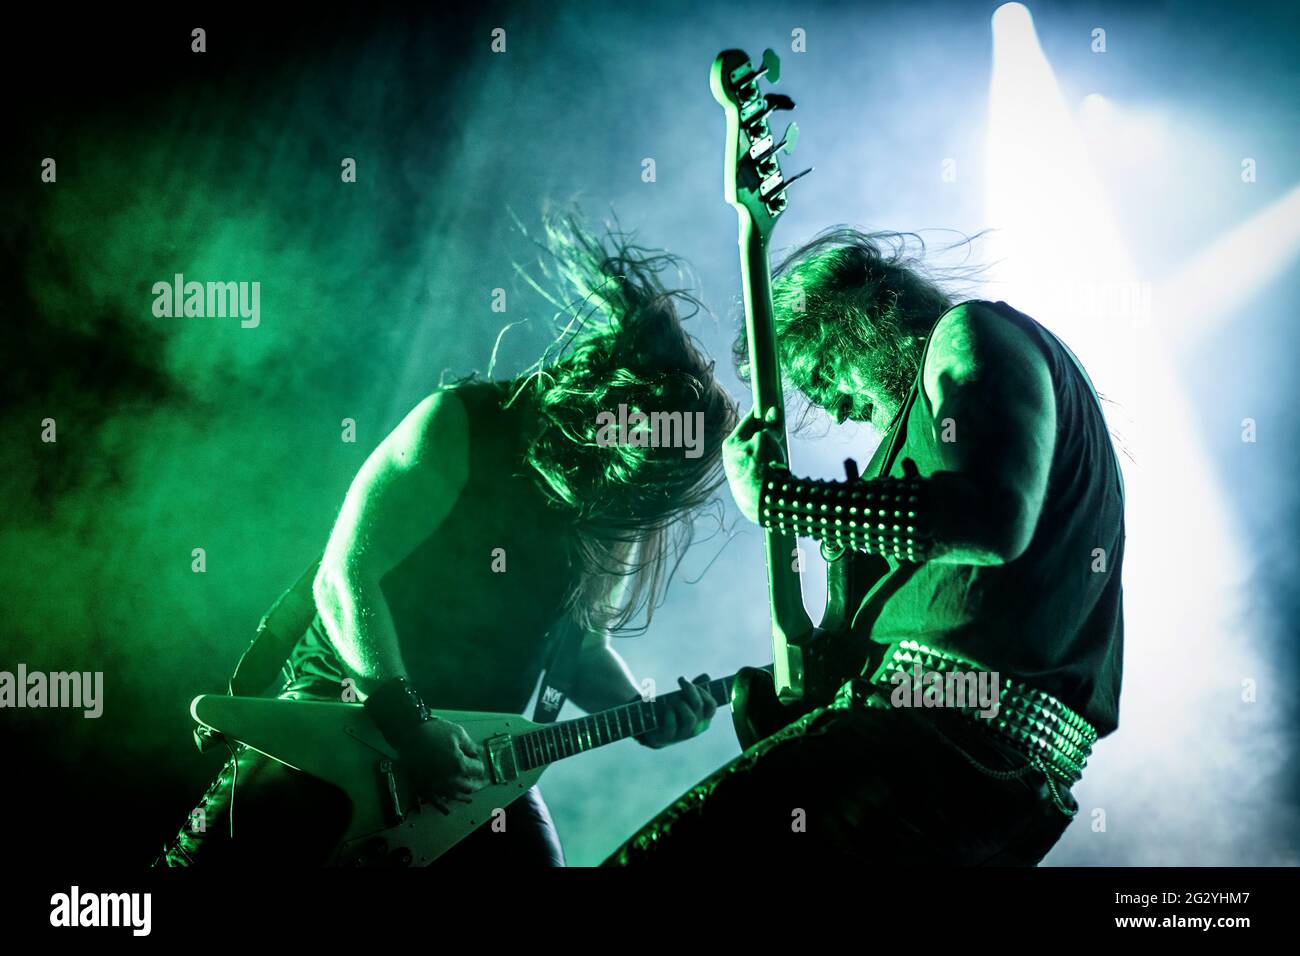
390,826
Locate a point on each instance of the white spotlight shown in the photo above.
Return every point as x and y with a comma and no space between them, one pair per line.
1065,261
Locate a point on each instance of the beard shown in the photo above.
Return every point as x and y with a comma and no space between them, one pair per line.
890,367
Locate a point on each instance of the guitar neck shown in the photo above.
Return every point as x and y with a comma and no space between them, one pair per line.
755,184
543,746
790,620
764,360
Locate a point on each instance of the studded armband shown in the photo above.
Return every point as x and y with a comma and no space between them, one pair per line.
885,516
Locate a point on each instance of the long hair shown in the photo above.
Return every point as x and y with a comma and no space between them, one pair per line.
632,506
868,295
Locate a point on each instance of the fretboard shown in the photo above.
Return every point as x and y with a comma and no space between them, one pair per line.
568,737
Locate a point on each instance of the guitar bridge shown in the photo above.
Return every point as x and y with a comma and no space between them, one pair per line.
393,810
501,758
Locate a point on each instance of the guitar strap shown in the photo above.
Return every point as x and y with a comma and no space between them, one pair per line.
561,668
277,632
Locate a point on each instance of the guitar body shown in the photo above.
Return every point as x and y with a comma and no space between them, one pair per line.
339,744
757,712
831,655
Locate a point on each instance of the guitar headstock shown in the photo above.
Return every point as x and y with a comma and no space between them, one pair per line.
754,181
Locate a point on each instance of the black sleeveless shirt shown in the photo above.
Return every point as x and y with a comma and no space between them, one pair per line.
1052,617
475,624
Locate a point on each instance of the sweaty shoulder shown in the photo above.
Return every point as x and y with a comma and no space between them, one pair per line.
436,431
975,346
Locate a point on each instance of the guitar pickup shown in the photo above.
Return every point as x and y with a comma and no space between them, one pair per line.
501,758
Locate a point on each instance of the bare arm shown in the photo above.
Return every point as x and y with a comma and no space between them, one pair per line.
603,678
995,418
403,492
991,392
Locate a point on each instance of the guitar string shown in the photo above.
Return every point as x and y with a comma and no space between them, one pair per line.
558,744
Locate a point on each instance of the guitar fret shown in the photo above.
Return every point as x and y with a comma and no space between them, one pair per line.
556,741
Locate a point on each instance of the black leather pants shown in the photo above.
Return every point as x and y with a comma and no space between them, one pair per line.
882,787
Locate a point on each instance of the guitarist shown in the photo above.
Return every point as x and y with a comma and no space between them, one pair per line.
1005,557
489,524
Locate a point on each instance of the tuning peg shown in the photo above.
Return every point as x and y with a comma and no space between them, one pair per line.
778,101
763,147
786,185
771,65
790,139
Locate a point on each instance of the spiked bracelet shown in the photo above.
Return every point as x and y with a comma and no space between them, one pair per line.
396,708
885,516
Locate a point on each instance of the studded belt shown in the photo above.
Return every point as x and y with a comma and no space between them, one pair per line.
1034,723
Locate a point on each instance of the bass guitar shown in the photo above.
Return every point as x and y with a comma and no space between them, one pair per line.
808,665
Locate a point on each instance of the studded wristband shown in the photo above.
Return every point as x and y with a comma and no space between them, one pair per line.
396,708
885,516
